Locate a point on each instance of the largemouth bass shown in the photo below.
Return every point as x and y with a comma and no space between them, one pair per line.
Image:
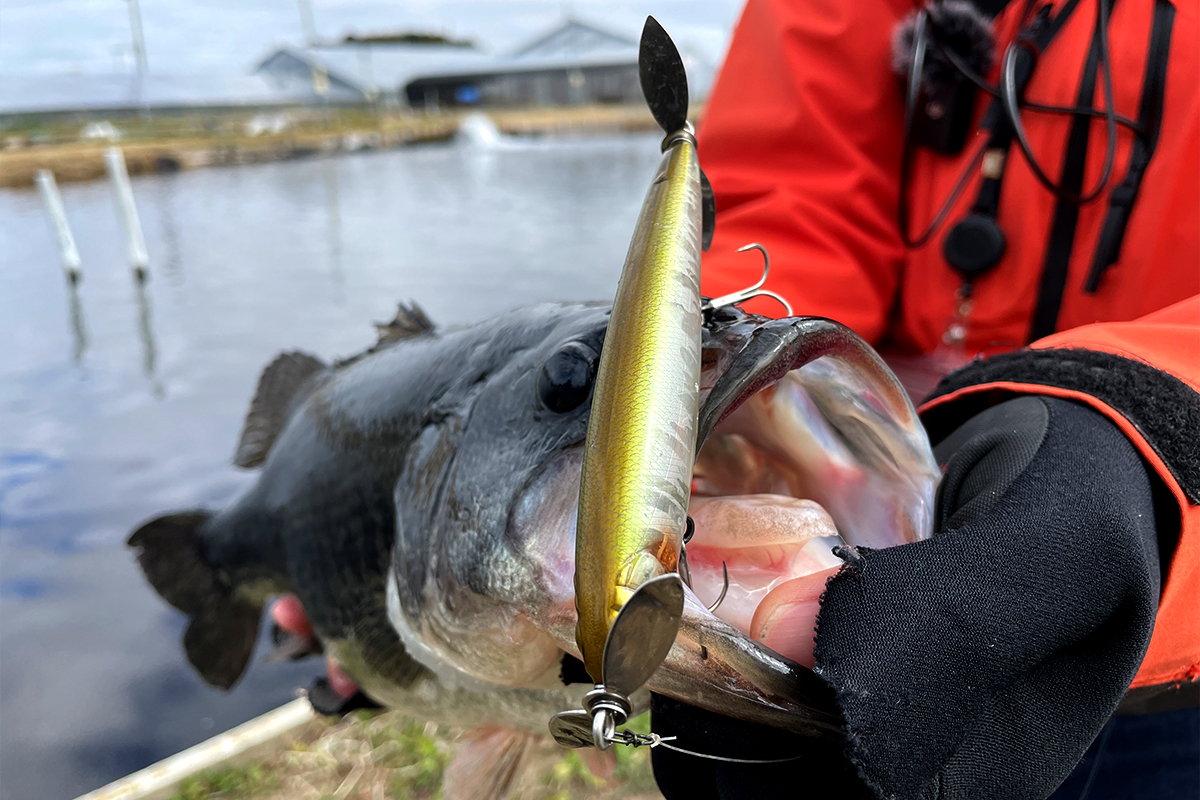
421,500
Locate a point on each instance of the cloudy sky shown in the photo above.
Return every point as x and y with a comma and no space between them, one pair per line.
197,36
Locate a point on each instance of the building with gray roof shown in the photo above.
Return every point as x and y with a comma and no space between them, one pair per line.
363,71
572,63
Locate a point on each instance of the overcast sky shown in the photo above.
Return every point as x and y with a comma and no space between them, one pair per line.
197,36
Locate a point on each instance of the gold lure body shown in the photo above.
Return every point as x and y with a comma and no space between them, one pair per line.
640,447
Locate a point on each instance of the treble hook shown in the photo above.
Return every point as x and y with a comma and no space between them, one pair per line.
685,571
724,588
737,298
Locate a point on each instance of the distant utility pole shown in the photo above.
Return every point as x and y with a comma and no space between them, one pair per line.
307,22
139,42
139,54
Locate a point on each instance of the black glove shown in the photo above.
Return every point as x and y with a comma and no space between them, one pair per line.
328,703
980,663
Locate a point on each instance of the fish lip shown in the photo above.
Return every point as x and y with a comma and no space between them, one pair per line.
759,683
775,347
746,373
756,683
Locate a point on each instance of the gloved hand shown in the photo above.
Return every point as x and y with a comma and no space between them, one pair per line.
982,662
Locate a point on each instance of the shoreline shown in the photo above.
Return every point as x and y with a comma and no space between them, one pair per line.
77,160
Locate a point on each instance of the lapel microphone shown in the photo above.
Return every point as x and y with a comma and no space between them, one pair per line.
946,101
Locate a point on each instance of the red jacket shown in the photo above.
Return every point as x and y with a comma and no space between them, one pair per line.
802,141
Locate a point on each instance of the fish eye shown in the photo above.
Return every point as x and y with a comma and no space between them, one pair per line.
566,378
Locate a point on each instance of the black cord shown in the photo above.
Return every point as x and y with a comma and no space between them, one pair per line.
1009,103
974,77
920,45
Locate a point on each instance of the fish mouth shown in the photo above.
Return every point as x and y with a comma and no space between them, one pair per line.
806,442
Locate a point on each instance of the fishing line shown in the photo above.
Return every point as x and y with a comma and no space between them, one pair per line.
653,740
1095,768
727,758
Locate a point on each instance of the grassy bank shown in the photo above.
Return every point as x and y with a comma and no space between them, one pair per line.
369,756
187,142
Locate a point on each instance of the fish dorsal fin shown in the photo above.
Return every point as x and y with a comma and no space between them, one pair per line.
410,321
280,384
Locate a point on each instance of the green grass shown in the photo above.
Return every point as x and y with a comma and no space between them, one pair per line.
205,124
231,783
417,757
408,760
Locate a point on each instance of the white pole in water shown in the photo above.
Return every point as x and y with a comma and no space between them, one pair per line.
58,215
139,259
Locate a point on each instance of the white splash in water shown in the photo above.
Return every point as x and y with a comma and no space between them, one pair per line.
478,130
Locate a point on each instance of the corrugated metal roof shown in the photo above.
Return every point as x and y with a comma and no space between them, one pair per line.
572,38
382,67
571,44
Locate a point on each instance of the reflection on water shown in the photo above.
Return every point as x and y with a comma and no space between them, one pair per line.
78,326
146,334
134,412
171,258
333,205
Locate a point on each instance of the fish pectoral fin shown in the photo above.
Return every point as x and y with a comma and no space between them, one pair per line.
484,764
282,382
410,321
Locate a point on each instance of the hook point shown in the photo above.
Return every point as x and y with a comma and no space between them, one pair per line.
724,588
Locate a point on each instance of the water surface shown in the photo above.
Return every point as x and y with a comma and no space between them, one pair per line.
117,404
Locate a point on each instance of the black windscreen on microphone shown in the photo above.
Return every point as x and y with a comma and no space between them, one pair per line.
945,105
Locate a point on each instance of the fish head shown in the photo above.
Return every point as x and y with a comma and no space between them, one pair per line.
806,442
471,573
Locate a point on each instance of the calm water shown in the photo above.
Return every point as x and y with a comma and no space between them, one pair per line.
117,405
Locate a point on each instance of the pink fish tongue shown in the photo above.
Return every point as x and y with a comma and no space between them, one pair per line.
777,551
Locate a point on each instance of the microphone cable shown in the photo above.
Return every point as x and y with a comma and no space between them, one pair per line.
1010,105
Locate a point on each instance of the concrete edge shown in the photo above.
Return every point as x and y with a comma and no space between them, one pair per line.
157,779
